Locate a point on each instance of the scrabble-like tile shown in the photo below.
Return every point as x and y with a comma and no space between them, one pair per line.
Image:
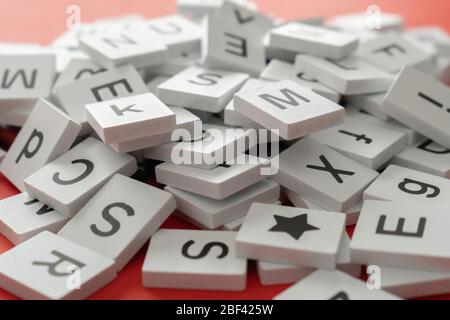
25,78
294,110
426,46
177,33
377,21
426,156
391,52
218,183
116,224
402,234
199,260
299,201
434,35
348,76
202,89
402,184
136,47
77,69
50,267
370,145
271,273
68,182
112,84
413,137
233,118
22,217
130,118
370,103
332,285
38,143
309,238
318,41
217,145
278,70
323,175
412,283
422,103
215,213
185,120
277,53
233,39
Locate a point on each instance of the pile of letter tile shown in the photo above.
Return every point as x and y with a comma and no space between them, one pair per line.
232,111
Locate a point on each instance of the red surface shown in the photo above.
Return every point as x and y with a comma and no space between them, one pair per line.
42,20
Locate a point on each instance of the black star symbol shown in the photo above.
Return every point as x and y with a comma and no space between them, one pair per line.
294,226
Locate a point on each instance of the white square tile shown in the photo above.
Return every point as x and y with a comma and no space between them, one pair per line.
218,183
433,35
370,145
233,45
278,70
323,175
305,237
420,102
185,120
68,182
22,217
413,136
426,156
116,224
136,47
199,260
39,143
202,89
48,267
403,184
391,52
26,77
216,213
130,118
348,76
319,41
294,110
115,83
402,234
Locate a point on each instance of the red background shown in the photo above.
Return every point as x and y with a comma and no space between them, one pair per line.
43,20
